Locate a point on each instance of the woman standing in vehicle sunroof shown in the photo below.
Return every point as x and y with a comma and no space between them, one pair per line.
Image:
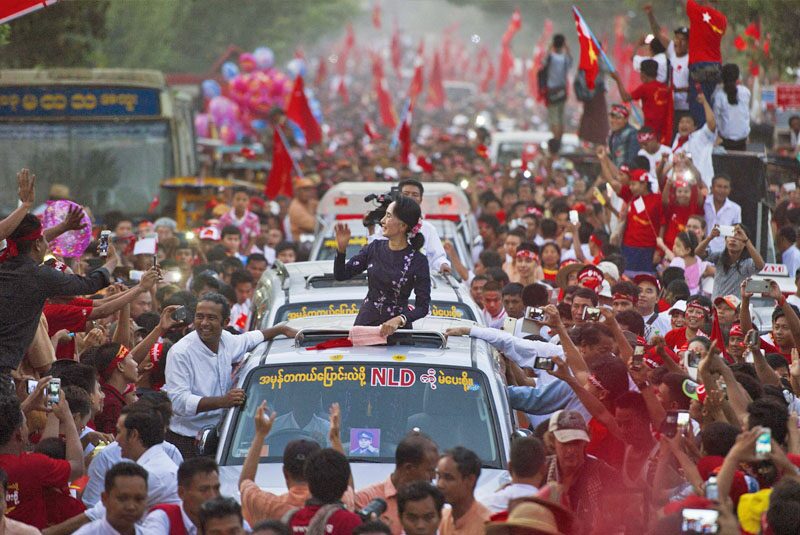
395,266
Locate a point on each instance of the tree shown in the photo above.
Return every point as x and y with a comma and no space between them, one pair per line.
63,35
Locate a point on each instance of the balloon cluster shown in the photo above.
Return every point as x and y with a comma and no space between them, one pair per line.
251,89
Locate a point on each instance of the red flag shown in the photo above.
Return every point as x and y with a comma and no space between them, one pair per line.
11,9
300,113
716,334
739,43
415,88
279,181
404,136
483,55
349,38
589,53
753,30
506,64
369,129
484,87
396,51
376,16
436,96
766,45
513,26
153,205
341,90
322,72
385,108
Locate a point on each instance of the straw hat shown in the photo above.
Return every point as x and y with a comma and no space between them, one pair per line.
528,515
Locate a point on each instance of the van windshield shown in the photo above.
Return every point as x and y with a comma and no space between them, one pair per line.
380,404
293,311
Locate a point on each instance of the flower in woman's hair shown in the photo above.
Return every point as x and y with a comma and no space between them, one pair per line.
415,230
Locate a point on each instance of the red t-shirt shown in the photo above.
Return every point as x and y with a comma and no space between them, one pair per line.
706,27
770,348
61,505
675,217
641,229
604,445
656,105
29,474
72,317
676,338
106,421
342,522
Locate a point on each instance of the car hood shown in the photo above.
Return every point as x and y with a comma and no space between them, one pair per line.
270,478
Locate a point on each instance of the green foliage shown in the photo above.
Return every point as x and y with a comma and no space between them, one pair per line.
63,35
190,36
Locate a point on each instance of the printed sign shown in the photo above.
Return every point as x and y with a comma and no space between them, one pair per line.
78,101
328,376
341,309
787,95
392,377
638,205
355,240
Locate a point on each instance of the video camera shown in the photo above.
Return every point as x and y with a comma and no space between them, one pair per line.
383,200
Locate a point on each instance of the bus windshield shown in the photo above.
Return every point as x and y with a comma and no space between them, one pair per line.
380,404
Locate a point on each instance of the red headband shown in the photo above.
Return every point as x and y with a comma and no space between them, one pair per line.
121,354
620,297
527,254
695,304
595,240
644,137
156,352
11,244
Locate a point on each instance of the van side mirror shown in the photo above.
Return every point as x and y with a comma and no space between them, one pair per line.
208,441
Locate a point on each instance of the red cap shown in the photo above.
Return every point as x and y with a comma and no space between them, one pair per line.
619,109
639,175
644,277
590,277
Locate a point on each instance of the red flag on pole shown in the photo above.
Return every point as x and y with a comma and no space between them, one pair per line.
506,55
415,88
396,51
484,87
279,181
12,9
404,136
590,55
385,108
376,16
341,90
299,112
436,96
369,130
322,72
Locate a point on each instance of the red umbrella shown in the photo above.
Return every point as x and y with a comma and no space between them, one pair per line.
11,9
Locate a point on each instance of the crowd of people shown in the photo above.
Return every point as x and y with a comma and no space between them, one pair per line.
618,300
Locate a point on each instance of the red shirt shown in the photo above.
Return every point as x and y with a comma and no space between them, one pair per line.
676,338
106,421
61,505
29,474
641,230
675,217
342,522
656,105
706,27
604,445
72,317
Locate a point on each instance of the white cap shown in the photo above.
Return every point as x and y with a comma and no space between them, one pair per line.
609,269
679,306
605,290
391,172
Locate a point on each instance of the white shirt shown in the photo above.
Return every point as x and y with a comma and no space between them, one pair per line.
661,59
729,214
680,77
240,312
102,527
520,351
158,522
654,160
194,372
733,120
791,259
162,481
495,322
497,502
108,457
700,145
433,247
660,326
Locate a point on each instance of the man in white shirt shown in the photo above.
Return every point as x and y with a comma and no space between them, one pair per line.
199,371
698,142
140,434
526,468
434,250
198,482
125,501
720,210
790,254
112,454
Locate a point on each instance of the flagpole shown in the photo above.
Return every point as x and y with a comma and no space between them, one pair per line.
396,133
296,166
607,61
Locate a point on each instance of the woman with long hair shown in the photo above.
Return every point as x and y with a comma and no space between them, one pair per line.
731,105
737,261
394,265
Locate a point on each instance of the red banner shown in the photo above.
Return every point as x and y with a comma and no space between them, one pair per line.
787,96
11,9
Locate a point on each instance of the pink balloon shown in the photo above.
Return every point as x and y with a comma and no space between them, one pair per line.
247,62
227,135
201,124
